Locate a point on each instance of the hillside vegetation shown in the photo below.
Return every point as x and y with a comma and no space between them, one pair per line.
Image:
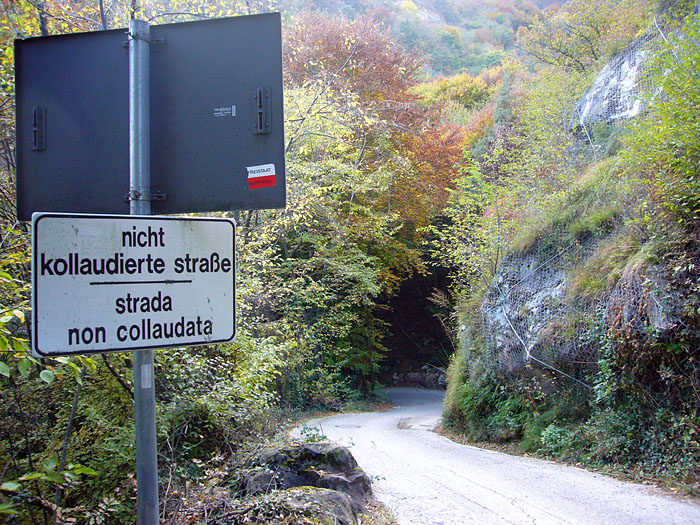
420,136
575,254
453,35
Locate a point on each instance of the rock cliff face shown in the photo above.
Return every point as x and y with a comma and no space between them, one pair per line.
534,326
644,305
616,93
527,317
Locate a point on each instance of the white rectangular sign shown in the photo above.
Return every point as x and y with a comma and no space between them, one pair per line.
113,282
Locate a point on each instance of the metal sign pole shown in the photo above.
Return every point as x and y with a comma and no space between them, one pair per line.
140,204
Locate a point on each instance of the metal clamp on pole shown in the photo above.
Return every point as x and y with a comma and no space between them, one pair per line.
136,196
140,204
138,33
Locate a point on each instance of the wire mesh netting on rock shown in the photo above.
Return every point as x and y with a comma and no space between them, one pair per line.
621,91
531,324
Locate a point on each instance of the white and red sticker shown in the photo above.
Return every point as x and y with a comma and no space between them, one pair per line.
262,176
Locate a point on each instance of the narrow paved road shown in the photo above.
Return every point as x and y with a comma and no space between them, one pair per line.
427,479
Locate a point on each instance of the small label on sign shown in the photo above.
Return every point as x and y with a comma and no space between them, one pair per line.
225,111
262,176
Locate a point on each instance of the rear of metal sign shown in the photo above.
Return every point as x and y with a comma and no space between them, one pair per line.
220,118
217,138
72,116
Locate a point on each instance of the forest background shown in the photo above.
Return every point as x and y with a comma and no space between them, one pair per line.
425,141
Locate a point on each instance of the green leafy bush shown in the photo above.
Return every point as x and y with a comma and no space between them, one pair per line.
463,89
664,147
557,441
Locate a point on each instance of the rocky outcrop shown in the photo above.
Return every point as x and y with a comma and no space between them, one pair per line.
321,505
295,505
616,93
521,310
327,467
534,327
430,377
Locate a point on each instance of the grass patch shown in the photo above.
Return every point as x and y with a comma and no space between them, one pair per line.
590,207
600,222
603,269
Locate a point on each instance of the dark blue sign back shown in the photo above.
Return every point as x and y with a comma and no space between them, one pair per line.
217,138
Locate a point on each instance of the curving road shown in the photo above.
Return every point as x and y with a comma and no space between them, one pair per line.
425,479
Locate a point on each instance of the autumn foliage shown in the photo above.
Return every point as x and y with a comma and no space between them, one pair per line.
423,191
359,55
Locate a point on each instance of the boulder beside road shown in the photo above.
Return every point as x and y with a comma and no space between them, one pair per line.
331,478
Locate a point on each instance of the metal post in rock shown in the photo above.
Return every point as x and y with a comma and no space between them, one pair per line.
140,204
